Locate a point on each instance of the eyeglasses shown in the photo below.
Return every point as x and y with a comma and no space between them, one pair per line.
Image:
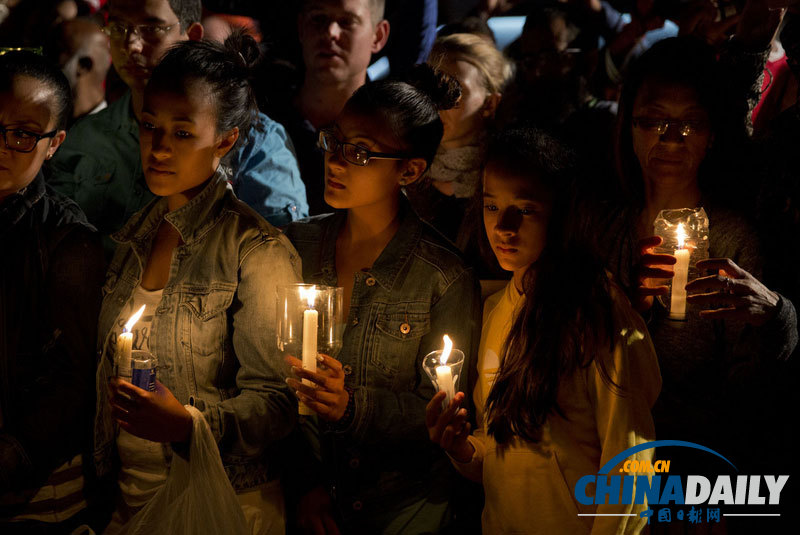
660,126
353,154
22,140
118,31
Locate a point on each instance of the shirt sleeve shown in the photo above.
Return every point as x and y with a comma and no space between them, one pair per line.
263,411
267,176
622,407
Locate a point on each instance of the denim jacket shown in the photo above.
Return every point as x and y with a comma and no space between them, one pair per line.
213,332
416,291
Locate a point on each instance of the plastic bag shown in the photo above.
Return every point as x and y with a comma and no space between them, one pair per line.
197,497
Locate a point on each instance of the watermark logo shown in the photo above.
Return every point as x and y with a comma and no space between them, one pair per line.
645,482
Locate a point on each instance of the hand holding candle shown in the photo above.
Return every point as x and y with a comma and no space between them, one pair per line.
444,368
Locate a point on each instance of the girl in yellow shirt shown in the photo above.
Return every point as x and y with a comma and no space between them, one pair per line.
567,372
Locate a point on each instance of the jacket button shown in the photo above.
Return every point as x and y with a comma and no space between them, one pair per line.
357,505
354,463
347,369
405,328
370,281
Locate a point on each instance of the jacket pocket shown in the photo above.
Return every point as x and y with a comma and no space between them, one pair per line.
204,329
399,330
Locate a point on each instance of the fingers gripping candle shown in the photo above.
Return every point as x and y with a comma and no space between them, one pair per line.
444,375
677,306
310,326
122,358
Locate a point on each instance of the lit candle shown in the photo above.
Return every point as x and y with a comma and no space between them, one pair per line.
125,345
444,375
677,306
310,325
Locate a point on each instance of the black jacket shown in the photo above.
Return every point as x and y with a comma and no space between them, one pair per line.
51,275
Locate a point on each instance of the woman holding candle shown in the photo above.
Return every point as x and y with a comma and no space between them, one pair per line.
51,272
677,146
206,266
404,287
567,372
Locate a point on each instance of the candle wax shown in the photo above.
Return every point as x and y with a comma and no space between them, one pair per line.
444,378
677,306
309,351
123,355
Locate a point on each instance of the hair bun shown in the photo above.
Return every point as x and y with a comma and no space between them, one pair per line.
442,89
240,44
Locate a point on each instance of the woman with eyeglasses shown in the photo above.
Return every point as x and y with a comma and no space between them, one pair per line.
677,134
405,286
51,272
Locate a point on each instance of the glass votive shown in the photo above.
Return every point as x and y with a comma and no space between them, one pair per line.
444,375
310,321
684,233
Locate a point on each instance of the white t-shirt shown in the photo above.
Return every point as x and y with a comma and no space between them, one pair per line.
144,464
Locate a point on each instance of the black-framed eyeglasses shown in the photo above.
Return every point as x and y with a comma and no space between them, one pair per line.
119,31
22,140
354,154
660,126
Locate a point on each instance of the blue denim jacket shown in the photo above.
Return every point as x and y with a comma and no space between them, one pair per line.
417,290
213,332
100,168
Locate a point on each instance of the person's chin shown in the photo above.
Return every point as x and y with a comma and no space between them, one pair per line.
336,198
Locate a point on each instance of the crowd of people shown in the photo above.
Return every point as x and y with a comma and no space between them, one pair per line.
505,198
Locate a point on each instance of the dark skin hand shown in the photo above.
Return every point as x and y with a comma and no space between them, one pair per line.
653,269
327,395
449,428
156,416
314,513
733,292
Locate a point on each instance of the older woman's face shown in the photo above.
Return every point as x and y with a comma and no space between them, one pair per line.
27,105
674,154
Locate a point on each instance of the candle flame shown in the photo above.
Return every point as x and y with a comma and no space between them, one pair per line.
681,235
134,319
448,347
310,295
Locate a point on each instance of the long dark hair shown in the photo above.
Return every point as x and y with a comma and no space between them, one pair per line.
689,62
566,319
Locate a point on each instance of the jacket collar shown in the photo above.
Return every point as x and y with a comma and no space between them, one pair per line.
18,204
192,221
392,259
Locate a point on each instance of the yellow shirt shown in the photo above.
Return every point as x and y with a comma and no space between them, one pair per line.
530,486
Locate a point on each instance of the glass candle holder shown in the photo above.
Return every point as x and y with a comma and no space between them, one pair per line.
310,321
685,236
444,373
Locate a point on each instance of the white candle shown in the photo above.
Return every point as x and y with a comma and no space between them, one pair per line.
444,375
125,345
444,378
677,306
123,357
310,325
